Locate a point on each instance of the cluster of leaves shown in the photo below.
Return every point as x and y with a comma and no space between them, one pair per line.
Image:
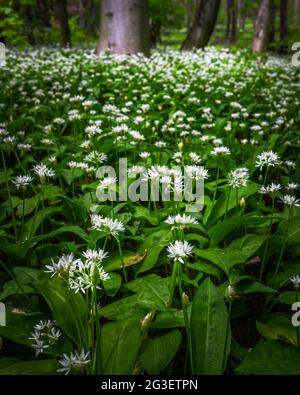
60,106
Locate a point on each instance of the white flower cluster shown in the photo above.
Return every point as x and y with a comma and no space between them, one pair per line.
44,336
80,274
179,250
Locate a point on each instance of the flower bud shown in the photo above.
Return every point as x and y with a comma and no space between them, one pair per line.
229,293
185,300
242,203
146,321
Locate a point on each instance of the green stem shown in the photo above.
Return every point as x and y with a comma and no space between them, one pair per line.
216,187
173,281
226,337
283,245
227,204
9,195
122,260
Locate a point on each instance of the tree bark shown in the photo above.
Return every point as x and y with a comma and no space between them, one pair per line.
124,27
262,27
283,26
231,22
297,10
60,9
242,14
203,25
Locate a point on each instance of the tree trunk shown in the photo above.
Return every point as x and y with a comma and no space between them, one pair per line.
272,30
297,10
283,26
231,22
60,9
262,27
242,14
124,27
203,25
43,13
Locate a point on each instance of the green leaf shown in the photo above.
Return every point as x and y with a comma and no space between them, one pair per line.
288,297
157,353
71,174
143,213
239,251
271,357
120,343
123,309
278,328
220,230
219,208
152,292
19,327
209,335
150,259
112,284
40,367
168,319
129,259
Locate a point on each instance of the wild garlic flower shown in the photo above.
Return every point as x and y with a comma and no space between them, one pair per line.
238,177
267,159
290,201
107,225
179,250
194,157
144,155
95,157
94,256
44,336
220,151
21,182
107,182
270,189
181,221
195,172
42,171
86,275
62,267
296,281
74,362
292,186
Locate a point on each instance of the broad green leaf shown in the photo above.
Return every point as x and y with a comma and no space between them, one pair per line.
209,333
278,328
239,251
112,284
150,259
129,259
119,346
168,319
152,292
123,309
157,353
39,367
271,357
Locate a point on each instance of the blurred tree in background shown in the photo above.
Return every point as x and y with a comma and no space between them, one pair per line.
172,23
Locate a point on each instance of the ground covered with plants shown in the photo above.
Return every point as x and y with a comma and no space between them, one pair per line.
147,287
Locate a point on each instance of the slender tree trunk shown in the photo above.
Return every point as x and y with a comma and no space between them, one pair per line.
242,14
231,22
155,33
60,9
124,27
272,30
262,27
283,26
44,13
297,10
203,25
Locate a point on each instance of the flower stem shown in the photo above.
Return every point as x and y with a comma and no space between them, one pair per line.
173,282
